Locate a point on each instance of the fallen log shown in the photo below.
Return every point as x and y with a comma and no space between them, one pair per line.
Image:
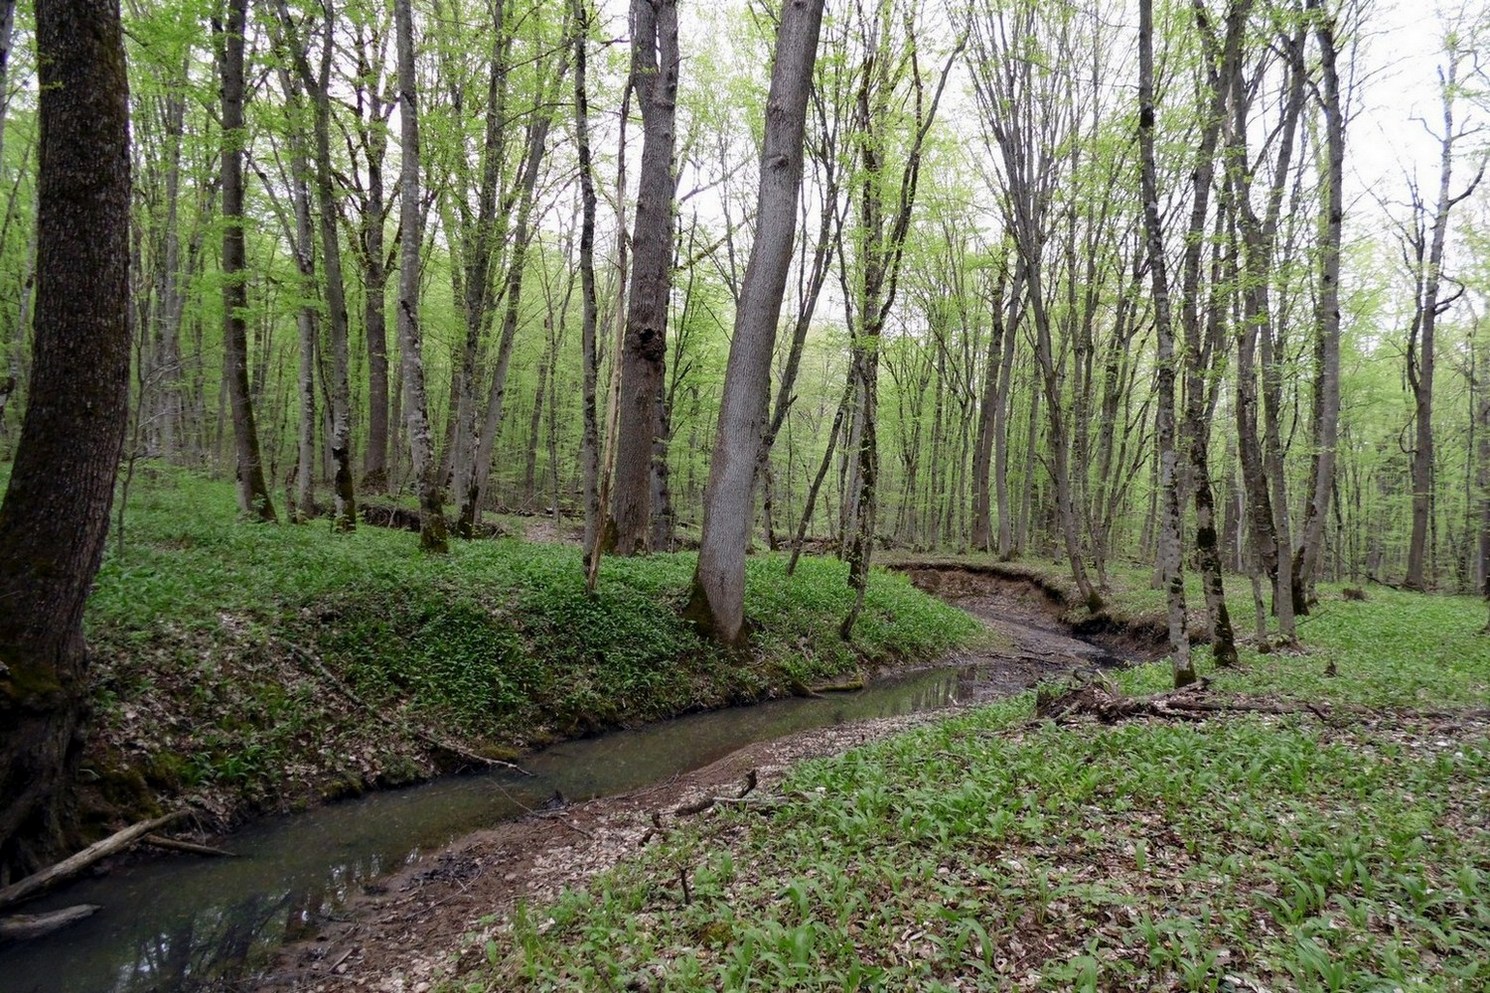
47,878
24,927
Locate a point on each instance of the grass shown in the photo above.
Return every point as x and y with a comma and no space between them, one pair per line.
989,852
214,641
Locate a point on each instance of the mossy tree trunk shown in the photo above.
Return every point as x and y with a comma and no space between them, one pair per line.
55,513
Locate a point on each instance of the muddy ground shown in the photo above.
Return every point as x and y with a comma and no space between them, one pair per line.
429,920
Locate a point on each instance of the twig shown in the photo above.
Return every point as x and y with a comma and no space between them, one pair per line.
190,847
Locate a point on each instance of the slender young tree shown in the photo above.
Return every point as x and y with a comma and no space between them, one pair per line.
55,512
718,598
589,305
1425,243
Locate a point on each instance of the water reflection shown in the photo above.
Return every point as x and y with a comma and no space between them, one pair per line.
182,924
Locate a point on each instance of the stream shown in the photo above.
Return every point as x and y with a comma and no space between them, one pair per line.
180,923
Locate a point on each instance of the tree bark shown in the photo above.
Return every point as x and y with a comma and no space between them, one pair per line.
55,511
718,596
432,527
1428,263
654,76
1170,561
1326,419
253,493
589,306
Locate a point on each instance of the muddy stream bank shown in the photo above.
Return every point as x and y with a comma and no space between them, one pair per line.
373,893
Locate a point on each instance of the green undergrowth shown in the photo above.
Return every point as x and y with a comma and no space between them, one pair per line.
1339,849
272,660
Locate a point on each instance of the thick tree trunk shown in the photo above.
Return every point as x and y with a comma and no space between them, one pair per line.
654,76
55,512
1205,348
1258,237
432,528
253,493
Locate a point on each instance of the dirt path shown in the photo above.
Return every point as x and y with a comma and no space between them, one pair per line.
408,930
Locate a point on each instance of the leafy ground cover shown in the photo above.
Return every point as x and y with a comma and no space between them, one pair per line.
1343,847
252,667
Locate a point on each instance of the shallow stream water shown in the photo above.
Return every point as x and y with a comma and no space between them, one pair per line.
180,923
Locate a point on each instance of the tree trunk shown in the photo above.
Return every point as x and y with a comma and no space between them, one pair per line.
55,512
1205,349
1170,560
1327,320
654,76
253,494
479,471
374,287
432,528
1428,258
988,421
340,440
718,596
590,374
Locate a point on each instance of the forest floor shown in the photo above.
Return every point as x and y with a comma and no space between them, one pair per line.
1276,828
411,929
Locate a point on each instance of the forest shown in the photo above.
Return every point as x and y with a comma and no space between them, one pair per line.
724,353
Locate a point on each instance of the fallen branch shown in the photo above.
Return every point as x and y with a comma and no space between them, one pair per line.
24,927
189,847
69,867
752,779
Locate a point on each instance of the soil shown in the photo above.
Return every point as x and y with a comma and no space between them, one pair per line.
429,921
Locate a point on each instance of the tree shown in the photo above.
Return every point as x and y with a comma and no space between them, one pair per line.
718,598
1171,522
432,528
1424,253
589,315
253,493
884,202
317,83
55,512
654,78
1326,419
